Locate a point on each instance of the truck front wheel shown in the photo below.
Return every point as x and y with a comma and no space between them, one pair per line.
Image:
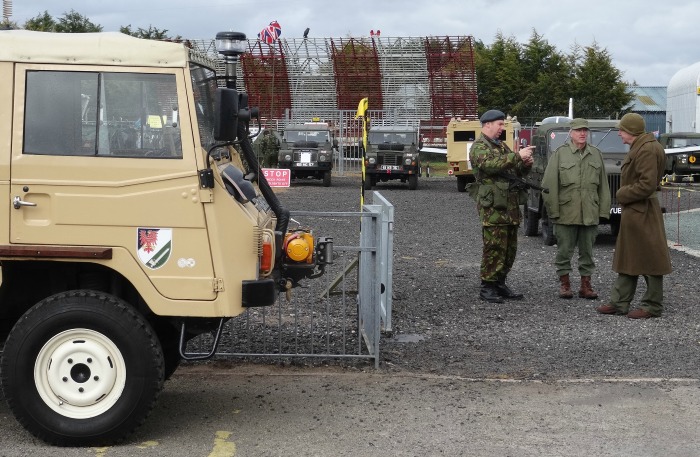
531,222
413,182
327,178
81,368
461,183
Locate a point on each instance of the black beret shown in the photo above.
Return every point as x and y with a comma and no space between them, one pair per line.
492,115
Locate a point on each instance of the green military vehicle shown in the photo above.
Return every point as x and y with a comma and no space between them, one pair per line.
682,155
131,224
307,151
393,152
551,134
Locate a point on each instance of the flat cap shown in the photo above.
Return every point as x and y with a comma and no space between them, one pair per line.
492,115
578,123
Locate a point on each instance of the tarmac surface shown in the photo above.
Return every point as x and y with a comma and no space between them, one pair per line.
641,407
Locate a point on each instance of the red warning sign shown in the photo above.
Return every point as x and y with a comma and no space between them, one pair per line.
277,177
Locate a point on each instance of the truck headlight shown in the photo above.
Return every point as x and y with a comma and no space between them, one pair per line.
322,158
408,160
287,157
372,160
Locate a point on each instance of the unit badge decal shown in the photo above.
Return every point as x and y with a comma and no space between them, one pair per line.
154,246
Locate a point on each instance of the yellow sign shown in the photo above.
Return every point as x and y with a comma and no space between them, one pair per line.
155,122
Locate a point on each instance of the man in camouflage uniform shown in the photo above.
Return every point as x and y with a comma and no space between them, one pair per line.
269,149
498,202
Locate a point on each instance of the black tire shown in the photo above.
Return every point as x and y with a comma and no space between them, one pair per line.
614,227
461,183
548,230
412,182
327,178
368,183
531,222
99,369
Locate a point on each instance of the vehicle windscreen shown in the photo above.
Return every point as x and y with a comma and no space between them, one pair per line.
391,137
607,140
683,142
320,136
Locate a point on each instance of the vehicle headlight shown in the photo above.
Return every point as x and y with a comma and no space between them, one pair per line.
288,157
322,158
408,160
372,160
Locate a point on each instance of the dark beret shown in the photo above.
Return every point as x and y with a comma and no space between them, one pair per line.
492,115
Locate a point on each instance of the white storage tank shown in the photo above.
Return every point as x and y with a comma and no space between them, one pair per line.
682,107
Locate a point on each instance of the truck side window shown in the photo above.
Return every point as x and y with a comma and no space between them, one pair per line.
101,114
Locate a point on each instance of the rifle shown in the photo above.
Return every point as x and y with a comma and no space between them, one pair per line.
519,183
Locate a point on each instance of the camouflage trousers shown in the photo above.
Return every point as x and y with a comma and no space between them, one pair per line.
500,247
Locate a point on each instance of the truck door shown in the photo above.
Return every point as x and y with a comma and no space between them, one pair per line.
99,159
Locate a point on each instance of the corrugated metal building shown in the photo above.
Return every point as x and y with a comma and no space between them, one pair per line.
650,103
683,108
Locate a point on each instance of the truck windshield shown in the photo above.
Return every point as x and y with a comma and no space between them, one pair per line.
306,135
683,142
391,137
204,88
608,140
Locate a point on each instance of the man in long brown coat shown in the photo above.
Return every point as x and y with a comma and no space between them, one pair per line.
641,247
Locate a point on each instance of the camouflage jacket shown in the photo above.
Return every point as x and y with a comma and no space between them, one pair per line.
269,144
498,201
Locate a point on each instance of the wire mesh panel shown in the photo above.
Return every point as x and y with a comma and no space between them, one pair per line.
338,315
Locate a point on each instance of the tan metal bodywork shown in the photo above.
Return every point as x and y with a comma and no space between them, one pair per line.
102,201
458,151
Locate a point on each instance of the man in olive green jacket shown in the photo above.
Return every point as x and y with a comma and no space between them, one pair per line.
578,197
641,247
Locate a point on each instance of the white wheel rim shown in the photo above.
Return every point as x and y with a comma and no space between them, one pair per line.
80,373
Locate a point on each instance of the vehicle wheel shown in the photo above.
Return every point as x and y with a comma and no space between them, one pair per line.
531,223
327,178
548,230
81,368
413,182
614,227
461,183
368,183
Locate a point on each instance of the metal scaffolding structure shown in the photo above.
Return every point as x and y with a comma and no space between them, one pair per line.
420,81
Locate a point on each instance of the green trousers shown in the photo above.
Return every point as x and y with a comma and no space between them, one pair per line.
626,285
569,238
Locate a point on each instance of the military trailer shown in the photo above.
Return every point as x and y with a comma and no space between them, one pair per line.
393,152
307,151
682,155
551,134
136,218
461,135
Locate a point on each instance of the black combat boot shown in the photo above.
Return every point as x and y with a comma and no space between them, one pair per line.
505,292
489,292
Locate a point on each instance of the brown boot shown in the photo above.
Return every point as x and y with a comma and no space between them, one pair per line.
565,287
586,290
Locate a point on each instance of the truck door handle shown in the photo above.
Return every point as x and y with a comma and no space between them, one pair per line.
18,203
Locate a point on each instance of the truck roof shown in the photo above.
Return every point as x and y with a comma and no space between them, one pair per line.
104,48
592,123
309,126
393,128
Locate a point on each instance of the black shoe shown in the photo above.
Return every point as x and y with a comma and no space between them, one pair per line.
505,292
489,292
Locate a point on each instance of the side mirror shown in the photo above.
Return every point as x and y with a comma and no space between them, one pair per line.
523,143
225,114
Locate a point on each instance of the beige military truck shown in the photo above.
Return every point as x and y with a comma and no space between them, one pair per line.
461,134
131,224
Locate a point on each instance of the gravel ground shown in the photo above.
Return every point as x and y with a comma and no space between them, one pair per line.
441,326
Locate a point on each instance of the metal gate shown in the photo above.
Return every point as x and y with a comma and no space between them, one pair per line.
339,315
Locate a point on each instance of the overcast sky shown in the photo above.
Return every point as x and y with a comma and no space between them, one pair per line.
649,41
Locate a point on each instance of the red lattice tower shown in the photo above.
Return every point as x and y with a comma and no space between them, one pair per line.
452,78
357,73
266,79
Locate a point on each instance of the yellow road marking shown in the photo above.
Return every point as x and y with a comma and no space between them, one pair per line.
222,447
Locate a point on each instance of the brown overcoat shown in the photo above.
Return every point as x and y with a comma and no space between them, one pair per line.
641,247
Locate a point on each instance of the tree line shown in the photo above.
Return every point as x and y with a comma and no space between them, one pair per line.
531,81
